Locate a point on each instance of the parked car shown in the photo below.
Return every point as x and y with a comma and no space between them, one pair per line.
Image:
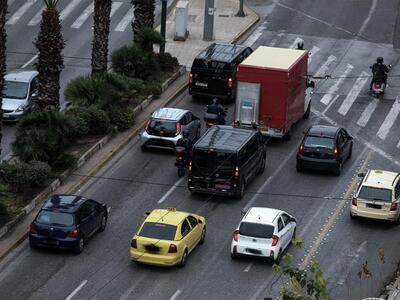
377,196
166,126
167,237
67,222
225,160
213,72
263,232
324,148
20,88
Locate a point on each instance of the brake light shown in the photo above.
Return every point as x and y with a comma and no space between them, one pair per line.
230,83
172,248
275,240
33,228
134,243
178,128
237,173
354,201
236,235
74,233
393,206
336,153
146,125
301,149
190,167
190,79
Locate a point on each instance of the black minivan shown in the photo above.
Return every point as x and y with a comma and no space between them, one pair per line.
213,72
225,159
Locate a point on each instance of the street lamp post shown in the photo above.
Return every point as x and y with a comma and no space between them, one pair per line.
163,24
240,13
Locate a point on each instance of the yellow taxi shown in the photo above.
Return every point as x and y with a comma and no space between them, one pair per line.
167,236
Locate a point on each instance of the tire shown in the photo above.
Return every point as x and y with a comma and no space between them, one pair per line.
299,168
278,259
353,217
203,235
144,148
287,136
81,245
338,169
350,152
307,112
262,167
103,223
183,259
242,190
233,256
181,171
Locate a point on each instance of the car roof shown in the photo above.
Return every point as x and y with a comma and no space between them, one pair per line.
169,216
169,113
380,179
323,131
221,52
226,138
262,215
66,203
21,75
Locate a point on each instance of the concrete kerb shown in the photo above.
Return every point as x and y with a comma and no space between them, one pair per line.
247,29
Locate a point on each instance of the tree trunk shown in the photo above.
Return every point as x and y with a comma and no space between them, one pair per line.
3,39
143,15
101,31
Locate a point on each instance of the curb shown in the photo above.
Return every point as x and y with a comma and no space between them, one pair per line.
248,28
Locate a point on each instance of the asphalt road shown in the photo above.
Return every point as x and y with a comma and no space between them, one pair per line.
134,182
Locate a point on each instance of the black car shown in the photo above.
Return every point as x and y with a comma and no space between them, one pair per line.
225,160
324,148
67,222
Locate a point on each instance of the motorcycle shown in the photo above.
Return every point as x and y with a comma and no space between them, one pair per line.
378,86
180,162
213,119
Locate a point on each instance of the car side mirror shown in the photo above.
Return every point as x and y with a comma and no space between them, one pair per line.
370,67
361,174
200,221
350,138
292,219
390,66
147,213
34,95
310,84
243,213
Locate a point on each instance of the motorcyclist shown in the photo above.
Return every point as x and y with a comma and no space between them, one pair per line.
185,142
379,72
216,108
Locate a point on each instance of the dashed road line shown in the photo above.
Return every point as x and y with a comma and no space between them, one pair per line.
170,190
70,296
114,8
29,61
176,295
247,269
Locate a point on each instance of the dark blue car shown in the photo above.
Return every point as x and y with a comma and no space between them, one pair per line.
67,222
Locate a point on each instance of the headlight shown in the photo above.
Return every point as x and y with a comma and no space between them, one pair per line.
21,108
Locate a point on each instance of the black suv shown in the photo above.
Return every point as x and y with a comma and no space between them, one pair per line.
324,148
225,159
213,72
67,222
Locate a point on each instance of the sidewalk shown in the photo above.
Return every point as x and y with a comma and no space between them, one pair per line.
227,28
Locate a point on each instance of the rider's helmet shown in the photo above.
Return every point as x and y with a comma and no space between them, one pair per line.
379,60
215,100
300,45
185,134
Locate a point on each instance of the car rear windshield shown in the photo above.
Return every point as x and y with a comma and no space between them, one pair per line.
256,230
372,193
210,66
158,231
55,218
210,162
162,127
319,142
15,90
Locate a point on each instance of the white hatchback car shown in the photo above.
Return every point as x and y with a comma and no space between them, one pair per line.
263,232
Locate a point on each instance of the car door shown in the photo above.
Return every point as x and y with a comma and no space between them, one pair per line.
186,236
190,126
341,144
33,92
96,213
348,142
289,225
284,233
196,229
84,216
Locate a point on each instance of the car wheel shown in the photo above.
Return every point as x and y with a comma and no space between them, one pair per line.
81,245
287,136
144,148
183,259
241,191
262,167
299,168
307,113
278,258
352,216
103,222
233,256
338,169
203,235
350,152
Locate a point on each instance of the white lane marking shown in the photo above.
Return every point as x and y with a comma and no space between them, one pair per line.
125,21
76,290
248,267
29,61
294,44
255,35
370,14
20,12
128,292
353,94
175,295
367,113
330,104
37,18
312,52
333,89
83,17
324,68
114,8
68,9
171,190
398,144
389,120
277,170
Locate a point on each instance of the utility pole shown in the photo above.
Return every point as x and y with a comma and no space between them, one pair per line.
208,34
240,13
163,24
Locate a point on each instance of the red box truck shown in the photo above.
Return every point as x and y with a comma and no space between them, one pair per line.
273,91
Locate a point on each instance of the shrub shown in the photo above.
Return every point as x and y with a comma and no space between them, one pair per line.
122,117
152,88
147,37
167,62
3,212
95,119
64,161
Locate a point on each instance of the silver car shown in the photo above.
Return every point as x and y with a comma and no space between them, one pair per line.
166,126
19,90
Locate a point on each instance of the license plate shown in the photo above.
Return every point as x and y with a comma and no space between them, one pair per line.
201,84
222,186
376,206
51,242
253,251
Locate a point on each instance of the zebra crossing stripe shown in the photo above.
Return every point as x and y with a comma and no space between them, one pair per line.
312,52
333,89
389,120
367,113
125,21
68,9
398,144
37,18
83,17
20,12
353,94
324,68
114,7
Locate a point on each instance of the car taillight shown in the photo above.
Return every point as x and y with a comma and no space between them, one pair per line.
74,233
336,153
146,125
230,83
172,249
235,235
301,149
178,128
190,79
33,228
134,243
275,240
393,206
354,201
234,250
237,173
190,167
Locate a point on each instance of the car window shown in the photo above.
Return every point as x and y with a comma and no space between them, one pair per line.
319,142
85,210
160,231
162,127
286,219
189,117
341,139
193,221
247,52
280,224
256,230
55,218
34,86
372,193
249,150
15,89
397,190
185,227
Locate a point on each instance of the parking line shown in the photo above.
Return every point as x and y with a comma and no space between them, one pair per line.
333,89
353,94
389,120
175,295
170,190
367,113
70,296
29,61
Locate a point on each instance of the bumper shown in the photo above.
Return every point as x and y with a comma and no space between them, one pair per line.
13,116
209,188
195,93
46,242
241,250
376,215
317,163
168,260
158,142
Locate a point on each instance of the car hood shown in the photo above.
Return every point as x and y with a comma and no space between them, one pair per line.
12,104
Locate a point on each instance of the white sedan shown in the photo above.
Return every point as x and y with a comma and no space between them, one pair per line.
263,232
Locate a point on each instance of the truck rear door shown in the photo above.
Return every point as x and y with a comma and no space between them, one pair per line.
247,103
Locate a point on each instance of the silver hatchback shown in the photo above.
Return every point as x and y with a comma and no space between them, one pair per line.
166,126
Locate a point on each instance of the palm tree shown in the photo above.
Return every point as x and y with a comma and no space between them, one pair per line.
143,16
101,30
50,44
3,39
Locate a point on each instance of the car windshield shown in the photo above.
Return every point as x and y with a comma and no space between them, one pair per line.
256,230
319,142
55,218
158,231
157,126
210,162
15,90
210,66
372,193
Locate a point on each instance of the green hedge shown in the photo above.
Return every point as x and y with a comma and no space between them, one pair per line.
122,117
95,119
